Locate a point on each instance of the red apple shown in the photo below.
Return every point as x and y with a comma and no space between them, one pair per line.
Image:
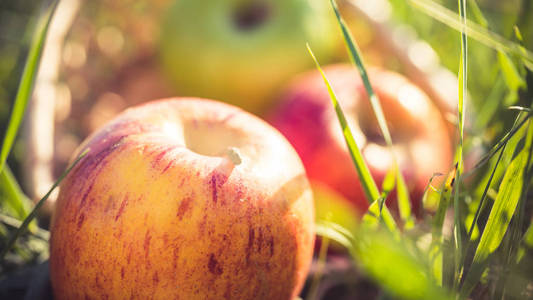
306,117
183,199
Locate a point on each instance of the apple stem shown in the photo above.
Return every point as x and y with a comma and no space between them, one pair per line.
234,156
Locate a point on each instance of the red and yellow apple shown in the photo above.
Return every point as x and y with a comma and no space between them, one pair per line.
183,199
421,143
243,52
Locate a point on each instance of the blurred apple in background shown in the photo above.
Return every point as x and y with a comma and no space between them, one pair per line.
242,52
183,199
421,141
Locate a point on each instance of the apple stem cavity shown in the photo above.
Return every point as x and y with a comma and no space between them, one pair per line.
252,15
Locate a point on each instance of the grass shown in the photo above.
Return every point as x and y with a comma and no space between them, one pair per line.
13,198
24,226
461,279
463,79
26,83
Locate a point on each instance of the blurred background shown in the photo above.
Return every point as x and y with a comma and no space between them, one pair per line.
103,56
106,60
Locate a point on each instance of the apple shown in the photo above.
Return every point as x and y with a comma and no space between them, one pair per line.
183,199
243,52
421,143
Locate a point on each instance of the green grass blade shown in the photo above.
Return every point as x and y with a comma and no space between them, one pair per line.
41,202
502,142
492,176
15,223
404,204
436,259
389,182
379,214
358,61
511,246
335,233
356,58
480,207
484,196
476,11
438,219
512,77
501,213
473,30
12,198
486,114
369,185
367,182
463,79
26,83
436,246
527,239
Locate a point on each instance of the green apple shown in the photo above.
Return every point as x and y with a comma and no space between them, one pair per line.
242,51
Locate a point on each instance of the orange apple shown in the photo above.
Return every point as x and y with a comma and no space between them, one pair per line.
183,199
306,117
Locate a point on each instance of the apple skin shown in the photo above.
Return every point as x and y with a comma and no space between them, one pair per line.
158,210
421,141
205,53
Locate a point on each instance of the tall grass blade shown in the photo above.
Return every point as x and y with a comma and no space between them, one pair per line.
12,199
492,177
480,207
15,223
26,83
502,142
527,239
501,213
436,246
512,77
388,184
483,197
404,204
473,30
367,182
476,11
358,61
379,214
356,58
41,202
463,79
486,114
